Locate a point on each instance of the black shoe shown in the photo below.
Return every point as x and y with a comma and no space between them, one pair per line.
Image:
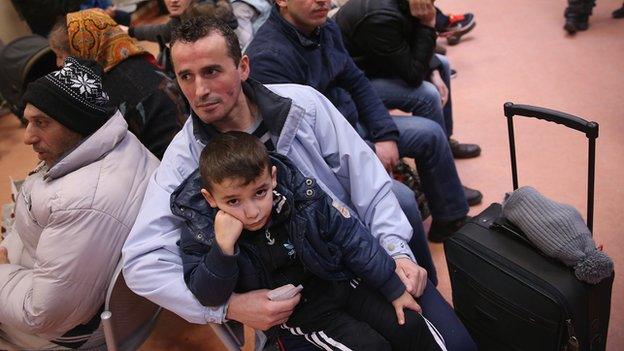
458,26
582,23
619,13
570,26
442,230
460,150
576,21
473,196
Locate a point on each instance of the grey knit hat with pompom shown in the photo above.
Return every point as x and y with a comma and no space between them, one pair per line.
559,231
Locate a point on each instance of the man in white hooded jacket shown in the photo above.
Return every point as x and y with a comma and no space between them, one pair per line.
72,214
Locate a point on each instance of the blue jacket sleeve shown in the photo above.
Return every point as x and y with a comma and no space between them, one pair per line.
361,252
210,274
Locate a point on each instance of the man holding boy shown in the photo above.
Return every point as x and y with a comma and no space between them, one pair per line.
269,226
295,121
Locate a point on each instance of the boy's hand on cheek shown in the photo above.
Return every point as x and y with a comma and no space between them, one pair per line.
227,231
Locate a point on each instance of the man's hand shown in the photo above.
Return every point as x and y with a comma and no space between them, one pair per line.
4,255
405,301
413,276
227,231
424,11
388,154
436,80
254,309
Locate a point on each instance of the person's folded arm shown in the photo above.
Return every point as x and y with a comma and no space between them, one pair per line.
152,32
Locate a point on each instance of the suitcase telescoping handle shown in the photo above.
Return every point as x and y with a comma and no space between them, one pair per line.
589,128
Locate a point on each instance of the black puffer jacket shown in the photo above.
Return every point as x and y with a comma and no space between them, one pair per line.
386,41
330,243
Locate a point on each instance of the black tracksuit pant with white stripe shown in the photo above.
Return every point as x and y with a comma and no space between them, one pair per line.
336,316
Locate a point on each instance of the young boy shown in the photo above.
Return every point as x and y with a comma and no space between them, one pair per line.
267,226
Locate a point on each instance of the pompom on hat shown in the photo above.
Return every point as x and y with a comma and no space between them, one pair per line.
73,96
559,231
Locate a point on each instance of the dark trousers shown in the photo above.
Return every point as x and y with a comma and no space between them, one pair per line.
579,9
346,318
435,309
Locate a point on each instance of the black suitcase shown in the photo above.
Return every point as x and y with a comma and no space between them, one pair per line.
507,293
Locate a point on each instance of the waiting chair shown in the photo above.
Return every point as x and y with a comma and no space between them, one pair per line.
128,318
231,334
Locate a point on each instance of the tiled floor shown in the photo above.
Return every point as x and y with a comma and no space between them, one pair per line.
518,52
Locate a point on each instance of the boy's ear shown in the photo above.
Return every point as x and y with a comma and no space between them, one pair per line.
209,198
273,177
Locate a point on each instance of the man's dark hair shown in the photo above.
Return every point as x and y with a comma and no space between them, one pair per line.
59,35
233,155
195,28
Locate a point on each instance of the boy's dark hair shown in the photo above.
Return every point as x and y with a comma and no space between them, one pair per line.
235,155
195,28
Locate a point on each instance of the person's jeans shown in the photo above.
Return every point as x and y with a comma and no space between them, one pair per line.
425,142
423,100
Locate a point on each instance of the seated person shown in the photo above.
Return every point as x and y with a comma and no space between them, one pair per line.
300,46
393,42
270,226
151,103
72,214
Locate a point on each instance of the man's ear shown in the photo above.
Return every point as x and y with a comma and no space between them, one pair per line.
209,198
281,3
273,177
243,68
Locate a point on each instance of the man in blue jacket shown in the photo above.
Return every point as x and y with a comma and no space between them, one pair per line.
299,45
293,120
